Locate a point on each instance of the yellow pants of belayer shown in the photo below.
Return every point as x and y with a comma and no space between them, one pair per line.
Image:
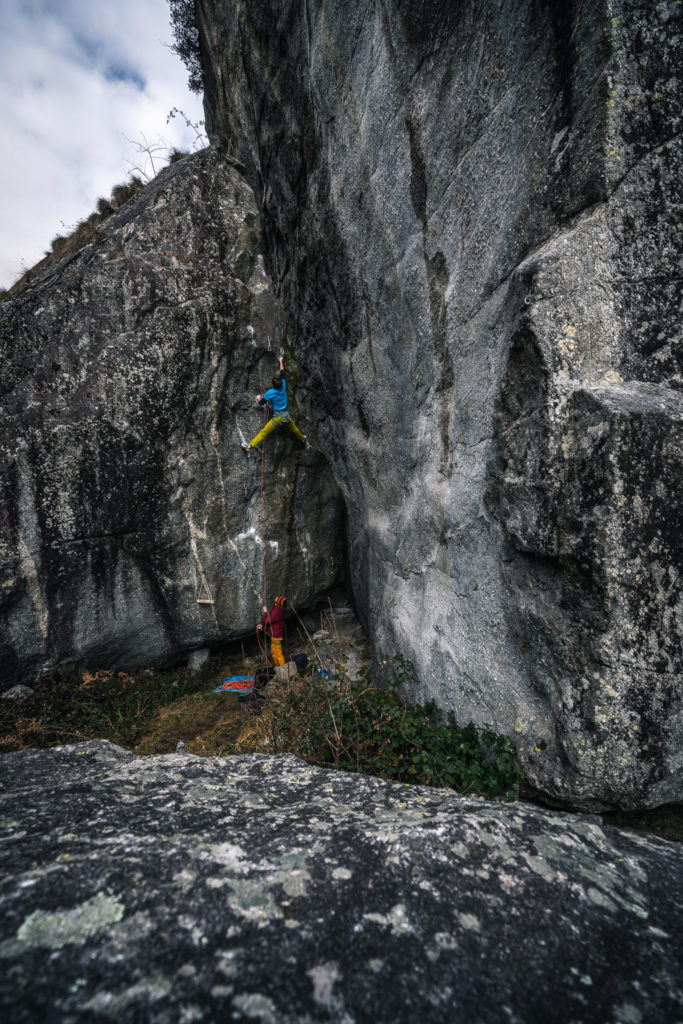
276,651
271,425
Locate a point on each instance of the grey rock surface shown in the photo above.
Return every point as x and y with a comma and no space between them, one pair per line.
18,692
198,658
258,888
127,380
472,215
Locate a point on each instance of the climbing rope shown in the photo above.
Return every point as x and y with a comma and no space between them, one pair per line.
264,646
263,543
307,634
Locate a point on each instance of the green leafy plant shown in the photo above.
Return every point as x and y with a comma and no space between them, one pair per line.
355,726
364,725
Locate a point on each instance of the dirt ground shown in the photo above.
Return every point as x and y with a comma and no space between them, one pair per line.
217,724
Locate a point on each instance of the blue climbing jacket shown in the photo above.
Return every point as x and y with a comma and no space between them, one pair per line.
278,399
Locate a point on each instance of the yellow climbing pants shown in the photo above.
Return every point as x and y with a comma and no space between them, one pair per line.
273,422
276,651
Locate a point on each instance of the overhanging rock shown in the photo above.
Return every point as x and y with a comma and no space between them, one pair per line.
473,214
128,375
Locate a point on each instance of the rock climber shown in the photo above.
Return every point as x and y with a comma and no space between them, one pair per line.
273,624
277,396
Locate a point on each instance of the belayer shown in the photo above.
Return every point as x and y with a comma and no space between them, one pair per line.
277,396
273,623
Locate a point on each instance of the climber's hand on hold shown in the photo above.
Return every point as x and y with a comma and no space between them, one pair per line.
259,626
265,608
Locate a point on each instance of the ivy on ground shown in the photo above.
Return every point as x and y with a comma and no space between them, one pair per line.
333,722
372,729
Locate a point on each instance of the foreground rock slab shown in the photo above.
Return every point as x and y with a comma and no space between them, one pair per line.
258,888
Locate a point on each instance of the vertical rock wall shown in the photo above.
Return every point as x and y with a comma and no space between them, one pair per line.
127,377
470,210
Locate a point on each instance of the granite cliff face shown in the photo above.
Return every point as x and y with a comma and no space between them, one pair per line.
469,220
261,889
127,377
470,213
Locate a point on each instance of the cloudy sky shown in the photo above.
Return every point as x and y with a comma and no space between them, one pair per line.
76,78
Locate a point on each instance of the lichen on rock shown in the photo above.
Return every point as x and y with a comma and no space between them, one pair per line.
260,887
128,376
472,217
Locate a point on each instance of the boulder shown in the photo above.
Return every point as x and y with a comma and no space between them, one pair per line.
134,529
471,215
285,673
185,888
198,659
18,692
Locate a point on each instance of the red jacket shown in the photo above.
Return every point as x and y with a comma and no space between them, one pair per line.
274,622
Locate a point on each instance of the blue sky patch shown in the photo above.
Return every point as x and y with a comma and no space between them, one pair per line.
81,79
118,73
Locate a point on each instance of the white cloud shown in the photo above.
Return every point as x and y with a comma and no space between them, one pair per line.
76,77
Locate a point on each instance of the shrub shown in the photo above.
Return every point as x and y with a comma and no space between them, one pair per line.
58,245
186,36
120,194
358,727
104,208
112,705
86,232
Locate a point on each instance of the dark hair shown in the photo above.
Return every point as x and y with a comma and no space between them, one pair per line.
277,381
